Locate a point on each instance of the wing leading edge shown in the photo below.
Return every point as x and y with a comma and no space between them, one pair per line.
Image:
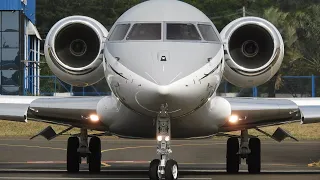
56,110
260,112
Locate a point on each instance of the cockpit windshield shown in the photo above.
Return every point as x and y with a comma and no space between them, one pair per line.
119,32
145,31
182,31
208,32
174,31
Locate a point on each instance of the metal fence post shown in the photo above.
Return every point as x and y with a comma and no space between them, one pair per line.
313,86
225,87
254,92
55,84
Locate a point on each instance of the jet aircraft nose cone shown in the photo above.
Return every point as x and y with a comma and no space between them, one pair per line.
163,90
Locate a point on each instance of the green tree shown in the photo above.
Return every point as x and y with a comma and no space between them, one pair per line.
297,20
310,39
287,27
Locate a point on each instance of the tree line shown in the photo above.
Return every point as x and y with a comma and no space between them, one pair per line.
297,20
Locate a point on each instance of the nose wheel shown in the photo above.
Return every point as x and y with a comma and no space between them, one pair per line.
153,170
170,170
163,168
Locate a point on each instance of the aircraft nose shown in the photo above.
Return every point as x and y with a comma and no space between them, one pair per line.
168,67
163,90
163,78
163,63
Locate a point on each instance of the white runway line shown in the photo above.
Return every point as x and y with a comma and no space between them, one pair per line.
53,178
132,170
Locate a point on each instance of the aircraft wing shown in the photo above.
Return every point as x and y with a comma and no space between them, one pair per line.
260,112
72,111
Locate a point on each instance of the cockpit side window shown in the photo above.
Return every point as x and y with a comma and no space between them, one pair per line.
208,32
182,31
145,31
119,32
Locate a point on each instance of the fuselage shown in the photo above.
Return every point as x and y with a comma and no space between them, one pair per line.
168,60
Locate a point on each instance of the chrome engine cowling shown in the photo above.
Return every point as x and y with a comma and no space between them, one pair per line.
254,51
74,50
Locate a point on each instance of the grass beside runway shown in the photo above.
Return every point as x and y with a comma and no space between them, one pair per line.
301,132
9,129
314,164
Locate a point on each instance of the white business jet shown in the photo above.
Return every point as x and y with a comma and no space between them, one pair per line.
163,61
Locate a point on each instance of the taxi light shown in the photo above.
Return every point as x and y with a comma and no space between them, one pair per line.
94,118
167,138
233,119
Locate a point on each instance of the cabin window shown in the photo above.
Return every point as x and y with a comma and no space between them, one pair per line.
145,31
208,32
179,31
119,32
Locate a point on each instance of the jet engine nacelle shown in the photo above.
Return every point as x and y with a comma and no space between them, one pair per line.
74,50
253,49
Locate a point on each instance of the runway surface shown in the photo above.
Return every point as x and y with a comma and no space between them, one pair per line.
129,159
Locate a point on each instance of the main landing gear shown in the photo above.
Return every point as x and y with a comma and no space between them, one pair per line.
163,168
78,149
249,150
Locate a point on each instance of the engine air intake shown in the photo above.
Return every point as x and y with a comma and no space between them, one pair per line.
253,49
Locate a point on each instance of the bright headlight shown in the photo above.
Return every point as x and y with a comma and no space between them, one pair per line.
167,138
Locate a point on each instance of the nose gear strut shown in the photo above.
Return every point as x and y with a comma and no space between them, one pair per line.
163,167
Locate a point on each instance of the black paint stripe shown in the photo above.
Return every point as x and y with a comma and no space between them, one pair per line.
120,74
212,71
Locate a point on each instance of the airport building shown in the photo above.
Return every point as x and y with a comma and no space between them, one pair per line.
20,48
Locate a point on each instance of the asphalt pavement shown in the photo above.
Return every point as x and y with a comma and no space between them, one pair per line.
21,158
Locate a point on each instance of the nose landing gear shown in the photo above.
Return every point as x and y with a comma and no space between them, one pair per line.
163,167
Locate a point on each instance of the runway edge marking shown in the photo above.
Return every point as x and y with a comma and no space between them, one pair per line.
59,178
131,170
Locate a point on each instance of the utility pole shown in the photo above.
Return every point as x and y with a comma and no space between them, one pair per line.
244,8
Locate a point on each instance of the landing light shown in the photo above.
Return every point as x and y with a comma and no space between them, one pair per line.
94,118
233,119
159,138
167,138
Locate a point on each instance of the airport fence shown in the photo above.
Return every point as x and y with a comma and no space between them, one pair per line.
291,86
53,86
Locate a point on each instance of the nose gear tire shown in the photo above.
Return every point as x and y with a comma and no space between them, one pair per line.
171,170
